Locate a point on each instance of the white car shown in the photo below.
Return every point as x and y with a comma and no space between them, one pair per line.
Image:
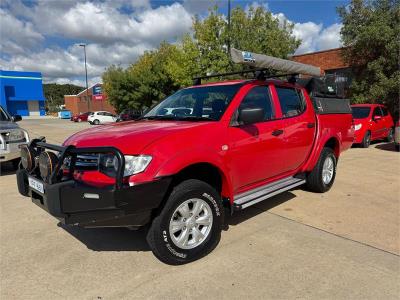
101,117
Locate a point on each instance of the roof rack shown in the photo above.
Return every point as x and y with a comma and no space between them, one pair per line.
261,64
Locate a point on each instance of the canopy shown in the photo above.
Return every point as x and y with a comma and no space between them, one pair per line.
279,64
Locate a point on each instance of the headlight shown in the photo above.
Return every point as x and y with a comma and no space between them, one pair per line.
357,127
108,164
136,164
16,135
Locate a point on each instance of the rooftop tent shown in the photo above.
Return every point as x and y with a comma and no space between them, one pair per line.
269,62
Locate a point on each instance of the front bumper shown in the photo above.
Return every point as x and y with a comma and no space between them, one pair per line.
68,201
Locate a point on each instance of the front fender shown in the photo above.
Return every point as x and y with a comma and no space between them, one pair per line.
189,157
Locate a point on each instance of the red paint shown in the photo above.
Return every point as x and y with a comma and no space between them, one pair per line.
246,156
378,126
83,117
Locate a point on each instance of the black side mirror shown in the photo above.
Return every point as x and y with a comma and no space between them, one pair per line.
251,115
16,118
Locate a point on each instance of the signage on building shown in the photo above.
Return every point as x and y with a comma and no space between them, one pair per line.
97,97
97,90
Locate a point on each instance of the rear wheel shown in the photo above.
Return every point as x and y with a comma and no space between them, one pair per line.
79,120
189,226
96,122
366,140
321,178
389,137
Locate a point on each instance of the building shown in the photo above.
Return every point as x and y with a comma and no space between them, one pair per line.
21,93
330,61
98,101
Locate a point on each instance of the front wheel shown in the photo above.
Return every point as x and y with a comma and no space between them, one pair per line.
366,140
96,122
321,178
189,226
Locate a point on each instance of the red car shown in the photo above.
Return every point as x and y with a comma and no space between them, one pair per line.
81,117
372,122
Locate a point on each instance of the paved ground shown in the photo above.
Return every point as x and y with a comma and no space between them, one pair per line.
344,244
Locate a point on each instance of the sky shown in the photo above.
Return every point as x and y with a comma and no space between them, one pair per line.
44,35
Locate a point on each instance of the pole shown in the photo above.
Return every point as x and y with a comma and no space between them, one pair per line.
87,87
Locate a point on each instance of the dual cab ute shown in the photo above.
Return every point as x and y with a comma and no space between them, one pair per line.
237,143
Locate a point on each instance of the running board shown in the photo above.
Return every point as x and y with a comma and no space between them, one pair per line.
259,194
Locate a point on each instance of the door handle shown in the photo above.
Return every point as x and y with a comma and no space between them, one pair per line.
277,132
310,125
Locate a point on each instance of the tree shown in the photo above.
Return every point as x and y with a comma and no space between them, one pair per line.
370,33
54,94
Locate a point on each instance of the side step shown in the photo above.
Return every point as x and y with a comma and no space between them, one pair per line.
261,193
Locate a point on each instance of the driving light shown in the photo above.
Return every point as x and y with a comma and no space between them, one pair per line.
357,127
136,164
27,157
47,163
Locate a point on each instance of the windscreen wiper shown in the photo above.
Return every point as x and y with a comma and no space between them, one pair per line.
195,118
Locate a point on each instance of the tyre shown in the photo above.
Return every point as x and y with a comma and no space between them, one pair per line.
389,137
96,122
15,163
366,140
321,178
189,226
397,147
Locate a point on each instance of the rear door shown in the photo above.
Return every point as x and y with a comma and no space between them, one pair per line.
255,149
299,126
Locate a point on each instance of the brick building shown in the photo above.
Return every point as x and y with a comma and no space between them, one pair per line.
79,104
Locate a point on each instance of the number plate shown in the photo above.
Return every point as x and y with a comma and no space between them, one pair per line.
36,185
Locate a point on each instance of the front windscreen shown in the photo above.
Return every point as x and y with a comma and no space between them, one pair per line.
197,103
360,112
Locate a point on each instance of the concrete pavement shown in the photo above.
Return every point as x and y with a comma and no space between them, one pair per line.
344,244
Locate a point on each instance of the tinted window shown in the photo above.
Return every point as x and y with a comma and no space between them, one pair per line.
259,97
3,115
384,111
377,111
360,112
291,101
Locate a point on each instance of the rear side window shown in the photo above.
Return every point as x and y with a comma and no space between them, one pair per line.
259,96
291,100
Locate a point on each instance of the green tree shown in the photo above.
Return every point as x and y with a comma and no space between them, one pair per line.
54,94
371,33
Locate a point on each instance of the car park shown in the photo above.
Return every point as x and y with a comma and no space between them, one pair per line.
83,117
101,117
178,172
11,137
397,136
372,122
128,115
64,114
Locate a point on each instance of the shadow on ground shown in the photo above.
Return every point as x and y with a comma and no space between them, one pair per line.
122,239
7,168
386,147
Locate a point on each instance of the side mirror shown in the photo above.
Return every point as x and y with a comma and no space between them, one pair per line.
251,115
377,118
16,118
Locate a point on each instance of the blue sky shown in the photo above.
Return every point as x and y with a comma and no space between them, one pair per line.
42,35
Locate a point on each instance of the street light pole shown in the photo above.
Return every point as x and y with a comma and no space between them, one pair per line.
87,87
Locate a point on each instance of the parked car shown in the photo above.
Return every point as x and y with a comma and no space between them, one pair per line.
101,117
372,122
64,114
128,115
176,172
397,135
11,137
81,117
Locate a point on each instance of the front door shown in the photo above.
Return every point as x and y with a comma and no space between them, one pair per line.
255,149
378,129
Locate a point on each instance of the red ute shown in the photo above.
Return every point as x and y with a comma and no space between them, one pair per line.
81,117
372,122
228,144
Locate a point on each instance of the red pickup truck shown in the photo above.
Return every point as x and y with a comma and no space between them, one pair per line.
204,150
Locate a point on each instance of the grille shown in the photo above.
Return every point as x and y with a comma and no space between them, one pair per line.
87,162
